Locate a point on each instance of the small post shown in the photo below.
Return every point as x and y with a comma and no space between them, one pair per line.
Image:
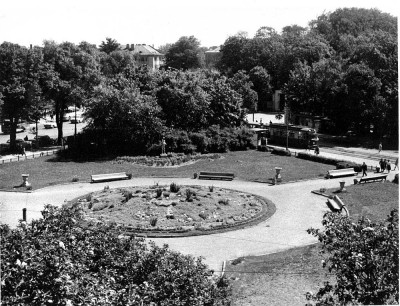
342,189
278,177
24,214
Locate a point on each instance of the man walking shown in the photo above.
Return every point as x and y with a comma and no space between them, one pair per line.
364,169
380,147
396,164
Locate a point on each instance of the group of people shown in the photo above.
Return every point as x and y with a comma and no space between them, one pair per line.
386,165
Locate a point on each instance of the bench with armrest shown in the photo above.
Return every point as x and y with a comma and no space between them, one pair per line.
341,172
373,178
337,205
95,178
216,176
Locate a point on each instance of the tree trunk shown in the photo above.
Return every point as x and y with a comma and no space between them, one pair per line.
13,135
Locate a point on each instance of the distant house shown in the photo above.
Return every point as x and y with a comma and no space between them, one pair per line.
212,57
146,55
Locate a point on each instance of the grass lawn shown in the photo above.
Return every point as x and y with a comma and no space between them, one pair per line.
247,165
284,278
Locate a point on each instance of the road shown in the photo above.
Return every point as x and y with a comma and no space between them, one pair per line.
68,130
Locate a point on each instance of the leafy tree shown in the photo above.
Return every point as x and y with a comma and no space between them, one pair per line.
71,75
183,54
110,45
262,85
233,56
265,32
364,256
19,76
124,118
116,62
241,83
63,259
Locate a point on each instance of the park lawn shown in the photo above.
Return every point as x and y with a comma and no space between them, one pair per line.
285,277
248,165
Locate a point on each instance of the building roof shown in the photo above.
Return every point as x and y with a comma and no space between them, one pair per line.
143,49
214,50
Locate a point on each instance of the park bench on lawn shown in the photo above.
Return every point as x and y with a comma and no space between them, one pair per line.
341,172
337,205
96,178
216,176
373,178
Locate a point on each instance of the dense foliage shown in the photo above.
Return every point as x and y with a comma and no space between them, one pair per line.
364,257
58,261
344,67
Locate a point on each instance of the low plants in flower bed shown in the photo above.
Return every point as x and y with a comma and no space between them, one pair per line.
282,152
318,158
171,160
165,209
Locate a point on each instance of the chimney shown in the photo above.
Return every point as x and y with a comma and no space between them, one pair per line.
132,46
127,46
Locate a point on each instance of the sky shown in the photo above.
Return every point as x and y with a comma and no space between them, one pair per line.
157,22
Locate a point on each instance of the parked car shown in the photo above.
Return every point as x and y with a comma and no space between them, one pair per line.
50,125
22,143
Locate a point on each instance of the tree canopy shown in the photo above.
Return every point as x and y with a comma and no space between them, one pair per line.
184,53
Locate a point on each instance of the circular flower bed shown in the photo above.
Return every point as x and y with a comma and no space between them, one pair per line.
173,210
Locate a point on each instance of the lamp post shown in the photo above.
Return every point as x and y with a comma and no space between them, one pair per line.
75,125
287,126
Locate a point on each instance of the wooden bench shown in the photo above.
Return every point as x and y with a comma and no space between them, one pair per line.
337,205
341,172
216,176
109,177
374,178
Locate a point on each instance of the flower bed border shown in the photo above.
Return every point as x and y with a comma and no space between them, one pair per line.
268,209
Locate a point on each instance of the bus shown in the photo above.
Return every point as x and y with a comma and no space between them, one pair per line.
299,136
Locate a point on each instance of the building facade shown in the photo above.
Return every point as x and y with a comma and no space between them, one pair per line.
146,55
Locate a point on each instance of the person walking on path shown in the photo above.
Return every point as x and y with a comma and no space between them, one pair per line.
364,169
380,147
396,164
381,165
388,166
316,150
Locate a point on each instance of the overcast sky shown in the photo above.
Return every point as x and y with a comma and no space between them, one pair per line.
156,22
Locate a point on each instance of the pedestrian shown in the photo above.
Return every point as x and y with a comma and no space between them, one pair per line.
388,166
396,164
380,147
364,169
383,165
316,150
26,138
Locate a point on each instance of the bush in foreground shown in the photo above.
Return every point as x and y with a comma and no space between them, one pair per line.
364,256
57,261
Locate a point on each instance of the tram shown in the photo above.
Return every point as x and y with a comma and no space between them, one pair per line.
299,136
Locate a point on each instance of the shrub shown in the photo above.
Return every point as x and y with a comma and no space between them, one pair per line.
364,256
344,165
127,194
153,221
318,158
75,179
106,188
88,197
61,264
159,192
129,175
211,188
189,194
283,152
203,215
174,187
223,201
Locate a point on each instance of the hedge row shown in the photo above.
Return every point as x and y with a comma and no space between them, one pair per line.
214,139
340,164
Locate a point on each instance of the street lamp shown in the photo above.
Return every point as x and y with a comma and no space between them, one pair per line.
75,125
287,125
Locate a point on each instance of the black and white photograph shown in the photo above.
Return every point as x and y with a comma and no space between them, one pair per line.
199,153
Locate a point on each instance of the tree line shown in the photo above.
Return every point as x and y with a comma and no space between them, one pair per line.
343,67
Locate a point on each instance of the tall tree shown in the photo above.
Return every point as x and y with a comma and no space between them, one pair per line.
19,77
110,45
184,53
70,77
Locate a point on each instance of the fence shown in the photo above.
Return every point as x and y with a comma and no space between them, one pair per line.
34,155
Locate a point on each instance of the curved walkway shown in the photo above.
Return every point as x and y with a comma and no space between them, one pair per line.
297,209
